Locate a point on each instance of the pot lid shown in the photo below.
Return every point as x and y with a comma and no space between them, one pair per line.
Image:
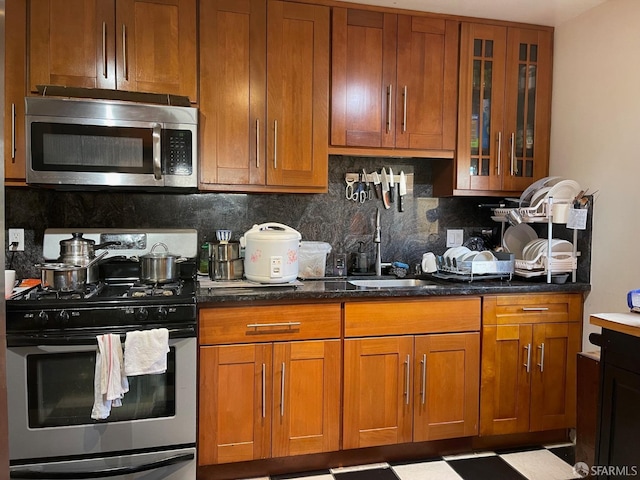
154,254
76,240
272,231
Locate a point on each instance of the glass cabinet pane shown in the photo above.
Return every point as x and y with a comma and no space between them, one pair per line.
525,113
481,101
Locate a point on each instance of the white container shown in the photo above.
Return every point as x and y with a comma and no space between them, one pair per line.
313,259
271,253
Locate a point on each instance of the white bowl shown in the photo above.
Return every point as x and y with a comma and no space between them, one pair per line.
516,237
484,256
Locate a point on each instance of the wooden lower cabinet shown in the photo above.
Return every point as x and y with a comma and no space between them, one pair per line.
268,398
529,350
401,388
405,388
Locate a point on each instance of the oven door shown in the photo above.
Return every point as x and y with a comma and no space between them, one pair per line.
51,395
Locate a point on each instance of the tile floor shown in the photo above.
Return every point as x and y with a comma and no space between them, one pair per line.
549,462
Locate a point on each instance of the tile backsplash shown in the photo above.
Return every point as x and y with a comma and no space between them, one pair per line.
323,217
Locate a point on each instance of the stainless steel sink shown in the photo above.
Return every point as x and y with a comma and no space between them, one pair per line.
393,283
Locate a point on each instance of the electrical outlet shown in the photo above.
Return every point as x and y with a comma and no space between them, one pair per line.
454,237
16,240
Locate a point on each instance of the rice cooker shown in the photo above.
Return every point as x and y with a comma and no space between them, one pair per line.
271,253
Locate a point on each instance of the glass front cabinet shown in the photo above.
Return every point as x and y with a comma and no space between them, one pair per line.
504,109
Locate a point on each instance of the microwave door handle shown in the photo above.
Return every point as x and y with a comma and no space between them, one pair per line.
157,152
111,472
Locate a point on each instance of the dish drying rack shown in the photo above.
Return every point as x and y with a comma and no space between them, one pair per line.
501,268
546,263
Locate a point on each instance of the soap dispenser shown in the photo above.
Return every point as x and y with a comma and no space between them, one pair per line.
361,260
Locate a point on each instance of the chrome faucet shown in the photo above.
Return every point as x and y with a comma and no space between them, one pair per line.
376,240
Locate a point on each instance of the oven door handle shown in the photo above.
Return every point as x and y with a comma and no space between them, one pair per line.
107,472
22,340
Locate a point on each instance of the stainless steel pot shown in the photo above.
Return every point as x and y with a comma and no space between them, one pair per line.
158,267
66,277
63,277
81,251
224,251
226,270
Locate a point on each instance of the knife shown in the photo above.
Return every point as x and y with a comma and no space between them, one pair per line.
385,189
391,185
402,190
377,188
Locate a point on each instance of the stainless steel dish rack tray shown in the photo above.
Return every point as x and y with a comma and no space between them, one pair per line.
501,268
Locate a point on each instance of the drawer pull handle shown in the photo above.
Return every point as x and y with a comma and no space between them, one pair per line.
528,364
264,392
424,378
541,364
535,309
275,324
406,393
282,393
389,106
404,111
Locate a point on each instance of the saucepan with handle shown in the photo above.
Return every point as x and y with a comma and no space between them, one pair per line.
66,277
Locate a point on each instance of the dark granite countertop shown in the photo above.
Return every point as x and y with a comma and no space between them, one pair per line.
340,289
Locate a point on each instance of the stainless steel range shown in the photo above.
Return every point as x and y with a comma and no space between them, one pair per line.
51,360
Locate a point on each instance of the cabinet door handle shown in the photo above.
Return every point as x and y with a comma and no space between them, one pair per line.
407,380
404,110
157,151
257,143
535,309
104,49
423,388
275,144
528,364
124,51
282,392
389,105
274,324
499,163
513,154
264,391
541,364
13,133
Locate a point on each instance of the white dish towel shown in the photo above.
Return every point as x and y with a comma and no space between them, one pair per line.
110,383
145,352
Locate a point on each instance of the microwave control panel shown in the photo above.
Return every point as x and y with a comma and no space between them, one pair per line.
177,146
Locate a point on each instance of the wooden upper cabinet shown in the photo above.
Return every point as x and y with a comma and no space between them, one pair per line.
156,46
427,87
394,80
504,109
233,92
135,45
297,94
14,91
264,96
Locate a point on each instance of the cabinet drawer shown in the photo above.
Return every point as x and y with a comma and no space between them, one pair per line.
268,323
436,315
532,308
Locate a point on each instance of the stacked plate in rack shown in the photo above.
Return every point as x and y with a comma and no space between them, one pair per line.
532,253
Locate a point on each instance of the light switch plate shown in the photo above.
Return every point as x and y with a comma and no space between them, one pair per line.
454,237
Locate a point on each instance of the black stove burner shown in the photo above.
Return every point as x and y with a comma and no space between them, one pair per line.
47,293
140,290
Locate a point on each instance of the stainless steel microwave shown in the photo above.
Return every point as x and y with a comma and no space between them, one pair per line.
79,143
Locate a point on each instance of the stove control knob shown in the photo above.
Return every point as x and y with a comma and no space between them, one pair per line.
43,317
142,314
162,313
63,317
